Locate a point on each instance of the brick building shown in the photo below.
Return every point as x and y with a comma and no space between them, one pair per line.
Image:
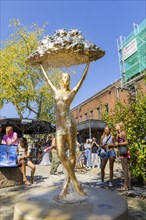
88,113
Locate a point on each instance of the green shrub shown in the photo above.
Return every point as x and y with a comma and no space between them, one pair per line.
134,118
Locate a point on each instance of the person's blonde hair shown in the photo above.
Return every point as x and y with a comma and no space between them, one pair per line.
121,125
107,127
9,128
66,85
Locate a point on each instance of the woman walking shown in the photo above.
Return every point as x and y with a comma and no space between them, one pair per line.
107,143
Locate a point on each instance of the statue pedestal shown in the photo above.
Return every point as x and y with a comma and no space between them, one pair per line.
10,176
98,204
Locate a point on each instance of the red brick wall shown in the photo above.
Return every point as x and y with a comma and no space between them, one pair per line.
109,96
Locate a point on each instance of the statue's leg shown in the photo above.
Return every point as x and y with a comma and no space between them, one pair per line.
71,140
72,149
60,143
73,162
65,186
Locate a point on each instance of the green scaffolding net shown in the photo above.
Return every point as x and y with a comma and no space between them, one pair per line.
132,53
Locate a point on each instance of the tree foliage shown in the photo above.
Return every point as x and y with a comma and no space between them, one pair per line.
22,85
134,118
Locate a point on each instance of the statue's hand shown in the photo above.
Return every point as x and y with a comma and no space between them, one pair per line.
41,65
88,64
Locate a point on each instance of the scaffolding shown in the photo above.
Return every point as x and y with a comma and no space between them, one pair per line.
132,54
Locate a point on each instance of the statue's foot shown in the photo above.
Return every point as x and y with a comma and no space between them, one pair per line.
82,193
80,190
63,193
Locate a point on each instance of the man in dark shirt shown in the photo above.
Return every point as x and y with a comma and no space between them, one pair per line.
95,159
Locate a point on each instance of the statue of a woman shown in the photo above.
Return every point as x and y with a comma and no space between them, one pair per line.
66,130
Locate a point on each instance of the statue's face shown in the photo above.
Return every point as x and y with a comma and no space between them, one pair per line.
65,78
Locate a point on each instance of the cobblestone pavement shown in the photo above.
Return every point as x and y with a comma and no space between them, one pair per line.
10,195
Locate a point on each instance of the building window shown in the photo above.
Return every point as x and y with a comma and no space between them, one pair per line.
98,112
106,108
86,116
92,115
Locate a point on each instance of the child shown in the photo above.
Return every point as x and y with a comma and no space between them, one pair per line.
23,154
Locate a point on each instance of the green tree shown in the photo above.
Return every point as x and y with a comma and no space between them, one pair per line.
134,118
22,85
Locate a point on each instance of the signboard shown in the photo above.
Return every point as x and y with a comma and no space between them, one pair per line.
8,156
129,49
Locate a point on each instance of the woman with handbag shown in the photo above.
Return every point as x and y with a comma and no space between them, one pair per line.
121,143
107,144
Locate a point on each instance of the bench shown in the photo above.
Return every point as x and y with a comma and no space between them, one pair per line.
10,173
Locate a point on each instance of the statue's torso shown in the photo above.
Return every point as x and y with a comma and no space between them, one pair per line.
65,122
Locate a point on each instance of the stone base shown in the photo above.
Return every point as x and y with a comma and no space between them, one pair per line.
99,204
10,176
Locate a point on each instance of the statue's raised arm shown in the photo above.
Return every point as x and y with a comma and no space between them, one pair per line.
77,87
48,80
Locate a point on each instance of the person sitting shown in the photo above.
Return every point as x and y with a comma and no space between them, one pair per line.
10,138
23,154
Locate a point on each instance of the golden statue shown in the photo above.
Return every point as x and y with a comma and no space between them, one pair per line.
66,130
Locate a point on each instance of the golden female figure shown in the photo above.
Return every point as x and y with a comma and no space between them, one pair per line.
66,126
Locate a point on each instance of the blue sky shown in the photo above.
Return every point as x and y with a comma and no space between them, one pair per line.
101,22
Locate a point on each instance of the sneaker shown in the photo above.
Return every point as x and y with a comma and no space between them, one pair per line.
110,184
100,183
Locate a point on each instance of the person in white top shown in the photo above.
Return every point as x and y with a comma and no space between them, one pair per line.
107,143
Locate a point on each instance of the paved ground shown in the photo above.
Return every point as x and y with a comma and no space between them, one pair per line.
11,195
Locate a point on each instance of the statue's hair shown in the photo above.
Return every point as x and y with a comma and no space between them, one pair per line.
66,85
